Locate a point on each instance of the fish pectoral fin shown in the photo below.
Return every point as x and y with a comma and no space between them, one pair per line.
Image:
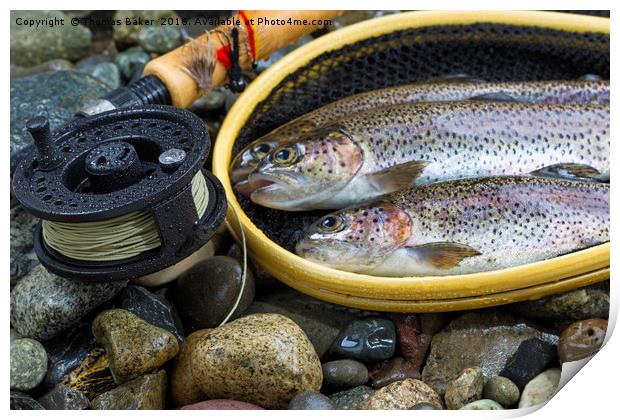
397,177
495,96
576,171
443,255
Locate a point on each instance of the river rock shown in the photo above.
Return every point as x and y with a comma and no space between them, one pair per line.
352,399
131,62
92,376
308,400
57,95
51,65
368,339
43,304
152,308
531,358
106,73
14,335
423,406
321,321
264,359
403,395
344,373
588,302
135,347
581,339
28,364
62,397
413,343
222,405
184,391
159,39
502,390
31,46
147,392
21,401
465,389
392,370
540,389
479,338
208,291
127,32
483,405
23,259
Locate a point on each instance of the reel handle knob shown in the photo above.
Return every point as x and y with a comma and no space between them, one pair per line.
47,152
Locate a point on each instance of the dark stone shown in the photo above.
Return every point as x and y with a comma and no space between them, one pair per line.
66,352
31,46
159,39
206,293
344,373
107,73
131,61
21,401
423,406
351,399
531,358
23,259
368,339
56,95
413,343
62,397
93,376
308,400
152,308
388,371
581,339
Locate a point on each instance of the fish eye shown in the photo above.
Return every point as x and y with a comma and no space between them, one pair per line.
285,155
261,150
331,223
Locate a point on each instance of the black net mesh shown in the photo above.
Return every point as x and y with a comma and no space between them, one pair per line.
487,51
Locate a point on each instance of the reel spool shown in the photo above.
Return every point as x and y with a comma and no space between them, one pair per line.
135,172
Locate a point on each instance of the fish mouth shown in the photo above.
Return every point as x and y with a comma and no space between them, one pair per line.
240,172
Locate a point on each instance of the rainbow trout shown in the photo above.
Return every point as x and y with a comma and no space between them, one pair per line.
549,92
463,226
383,150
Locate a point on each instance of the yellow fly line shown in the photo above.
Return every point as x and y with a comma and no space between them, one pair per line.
117,238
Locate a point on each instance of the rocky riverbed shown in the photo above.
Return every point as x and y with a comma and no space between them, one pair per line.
122,345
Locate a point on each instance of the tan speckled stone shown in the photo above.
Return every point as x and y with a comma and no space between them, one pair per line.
403,395
182,387
147,392
135,347
264,359
465,389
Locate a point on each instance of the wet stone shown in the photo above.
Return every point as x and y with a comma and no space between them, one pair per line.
502,390
465,389
531,358
351,399
107,73
147,392
344,373
540,389
483,405
159,39
403,395
480,338
28,364
393,370
581,339
152,308
62,397
23,259
135,347
413,343
308,400
423,406
44,305
206,294
222,405
21,401
368,339
92,376
131,62
183,389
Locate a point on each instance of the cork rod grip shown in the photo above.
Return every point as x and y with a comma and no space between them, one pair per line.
267,37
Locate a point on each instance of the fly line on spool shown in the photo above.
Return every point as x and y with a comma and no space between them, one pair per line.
118,238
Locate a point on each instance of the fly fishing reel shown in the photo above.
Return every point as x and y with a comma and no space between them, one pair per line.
121,194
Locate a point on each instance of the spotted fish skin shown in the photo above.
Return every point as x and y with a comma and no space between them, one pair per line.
419,144
543,92
463,226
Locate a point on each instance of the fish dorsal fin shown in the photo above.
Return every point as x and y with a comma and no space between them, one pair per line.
495,97
443,255
576,171
397,177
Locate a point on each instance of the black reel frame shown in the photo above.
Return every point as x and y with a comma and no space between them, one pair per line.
121,161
